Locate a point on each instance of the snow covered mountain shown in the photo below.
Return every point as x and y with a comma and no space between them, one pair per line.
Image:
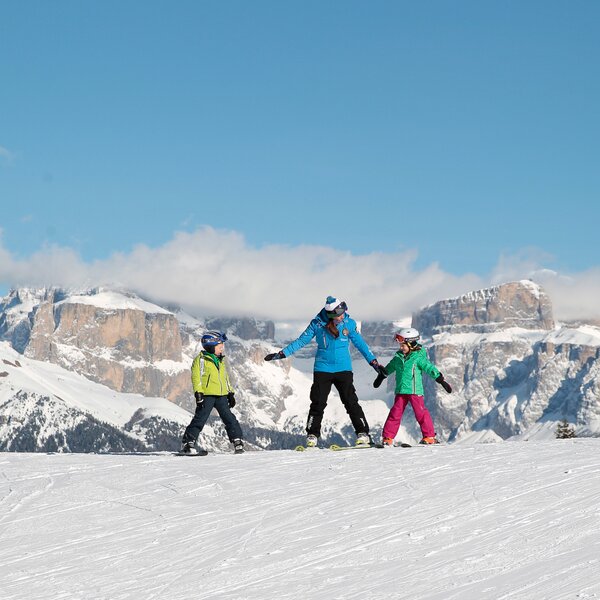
514,371
45,407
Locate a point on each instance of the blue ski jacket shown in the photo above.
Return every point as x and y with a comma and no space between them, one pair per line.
333,354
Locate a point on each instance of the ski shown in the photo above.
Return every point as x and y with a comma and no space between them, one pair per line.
405,445
337,447
199,453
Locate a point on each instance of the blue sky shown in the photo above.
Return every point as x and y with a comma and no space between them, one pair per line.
462,135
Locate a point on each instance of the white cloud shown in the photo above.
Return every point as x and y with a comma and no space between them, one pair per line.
210,272
574,296
522,264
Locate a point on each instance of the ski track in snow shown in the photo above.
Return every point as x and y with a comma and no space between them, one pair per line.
502,521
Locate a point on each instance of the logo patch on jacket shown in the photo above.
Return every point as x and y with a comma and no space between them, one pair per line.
345,331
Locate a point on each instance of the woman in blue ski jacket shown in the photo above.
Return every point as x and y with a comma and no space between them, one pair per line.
333,330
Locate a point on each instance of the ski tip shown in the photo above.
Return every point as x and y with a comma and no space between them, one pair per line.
337,447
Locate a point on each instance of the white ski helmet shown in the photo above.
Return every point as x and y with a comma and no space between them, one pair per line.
409,335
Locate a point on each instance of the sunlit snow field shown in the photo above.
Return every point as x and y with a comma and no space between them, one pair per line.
517,520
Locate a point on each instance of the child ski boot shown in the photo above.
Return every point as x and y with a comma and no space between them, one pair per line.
428,441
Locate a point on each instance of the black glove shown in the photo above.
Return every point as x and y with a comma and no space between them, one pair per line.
379,380
231,399
379,368
275,356
440,379
199,398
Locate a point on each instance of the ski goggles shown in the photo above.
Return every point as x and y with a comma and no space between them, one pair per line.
402,340
213,338
340,309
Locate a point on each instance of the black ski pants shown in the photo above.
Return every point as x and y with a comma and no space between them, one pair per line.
319,392
221,403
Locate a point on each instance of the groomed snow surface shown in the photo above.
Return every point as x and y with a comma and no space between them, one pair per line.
518,520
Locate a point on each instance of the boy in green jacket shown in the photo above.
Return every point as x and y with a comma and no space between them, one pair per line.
212,389
409,363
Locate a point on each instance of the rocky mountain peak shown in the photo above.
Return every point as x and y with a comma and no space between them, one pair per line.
246,328
115,337
521,304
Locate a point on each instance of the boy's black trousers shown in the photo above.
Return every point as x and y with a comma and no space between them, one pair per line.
221,403
344,384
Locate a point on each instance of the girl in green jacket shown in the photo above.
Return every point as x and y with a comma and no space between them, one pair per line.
409,363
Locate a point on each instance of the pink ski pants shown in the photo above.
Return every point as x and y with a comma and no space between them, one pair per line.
392,423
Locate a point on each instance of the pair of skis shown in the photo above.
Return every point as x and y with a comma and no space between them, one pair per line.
334,447
202,452
338,448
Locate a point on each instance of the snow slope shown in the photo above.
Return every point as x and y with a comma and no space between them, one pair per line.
46,407
22,373
79,392
519,520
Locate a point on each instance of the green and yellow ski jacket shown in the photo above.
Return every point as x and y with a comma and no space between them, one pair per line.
209,375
